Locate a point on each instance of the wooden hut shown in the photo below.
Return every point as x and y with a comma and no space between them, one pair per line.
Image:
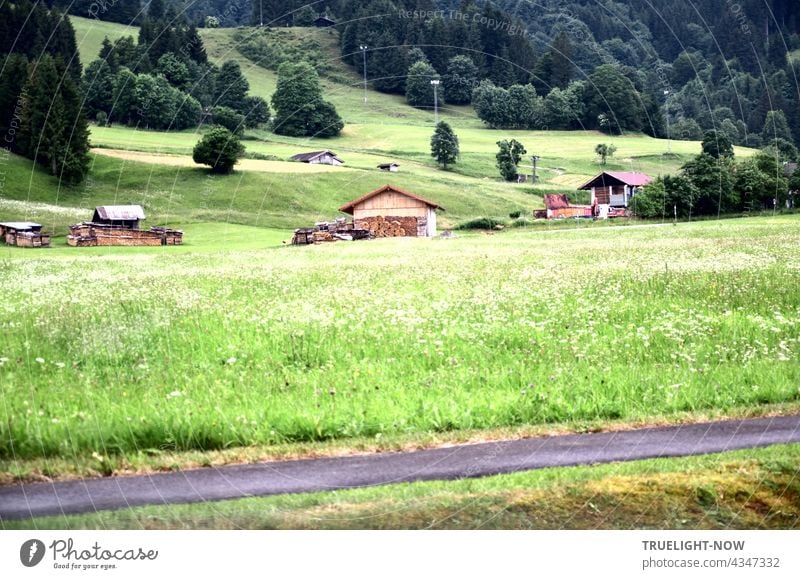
119,215
390,167
392,212
324,22
23,234
318,158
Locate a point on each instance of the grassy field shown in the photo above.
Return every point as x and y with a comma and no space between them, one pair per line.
216,346
386,129
754,489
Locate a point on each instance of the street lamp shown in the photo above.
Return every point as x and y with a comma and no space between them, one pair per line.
666,114
363,48
534,159
435,84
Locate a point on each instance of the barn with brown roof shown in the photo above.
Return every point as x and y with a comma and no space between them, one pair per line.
405,213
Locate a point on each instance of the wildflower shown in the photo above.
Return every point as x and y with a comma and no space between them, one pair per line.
175,394
40,360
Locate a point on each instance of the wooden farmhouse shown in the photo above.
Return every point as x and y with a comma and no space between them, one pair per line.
390,167
612,189
23,234
318,158
392,209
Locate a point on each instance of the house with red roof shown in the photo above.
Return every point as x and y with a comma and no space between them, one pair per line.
614,189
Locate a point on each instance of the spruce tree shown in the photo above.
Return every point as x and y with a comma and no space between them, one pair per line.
444,145
54,132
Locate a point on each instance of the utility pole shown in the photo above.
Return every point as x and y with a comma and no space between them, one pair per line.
363,48
435,84
666,114
261,11
534,159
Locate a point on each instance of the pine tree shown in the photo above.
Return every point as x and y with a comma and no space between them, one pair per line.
444,145
562,66
54,131
232,87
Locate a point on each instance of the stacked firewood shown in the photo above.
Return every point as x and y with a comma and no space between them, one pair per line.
382,227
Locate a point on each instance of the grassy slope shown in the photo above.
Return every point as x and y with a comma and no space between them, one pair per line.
385,128
277,200
89,34
753,489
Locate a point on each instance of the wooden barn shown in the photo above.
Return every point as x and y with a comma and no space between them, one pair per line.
318,158
614,189
390,167
393,210
23,234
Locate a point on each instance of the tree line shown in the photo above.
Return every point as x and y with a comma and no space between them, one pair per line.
714,182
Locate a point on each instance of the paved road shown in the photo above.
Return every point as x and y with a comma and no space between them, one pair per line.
211,484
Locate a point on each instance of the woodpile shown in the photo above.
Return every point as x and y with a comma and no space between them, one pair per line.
330,231
23,234
31,239
96,234
381,226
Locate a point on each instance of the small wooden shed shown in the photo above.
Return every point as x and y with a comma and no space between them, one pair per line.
390,167
119,215
415,215
325,157
324,22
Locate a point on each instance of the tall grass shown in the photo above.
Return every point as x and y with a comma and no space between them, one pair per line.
118,352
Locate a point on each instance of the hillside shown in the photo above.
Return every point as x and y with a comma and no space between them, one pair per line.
386,128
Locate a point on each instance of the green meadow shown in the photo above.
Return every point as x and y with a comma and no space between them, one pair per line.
223,344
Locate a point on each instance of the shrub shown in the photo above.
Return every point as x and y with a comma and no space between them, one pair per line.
481,223
220,149
515,214
102,118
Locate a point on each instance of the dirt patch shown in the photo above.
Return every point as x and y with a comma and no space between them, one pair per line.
244,164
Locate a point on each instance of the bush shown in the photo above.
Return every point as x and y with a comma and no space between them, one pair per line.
481,223
515,214
228,118
220,149
521,222
102,118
